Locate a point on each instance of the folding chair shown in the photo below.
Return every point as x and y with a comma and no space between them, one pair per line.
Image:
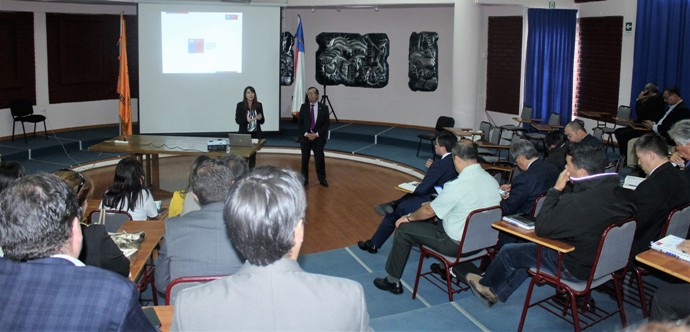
441,122
478,236
525,118
622,118
677,223
181,283
113,220
554,122
23,111
611,257
538,203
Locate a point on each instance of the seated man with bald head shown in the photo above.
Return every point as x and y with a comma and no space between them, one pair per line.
576,132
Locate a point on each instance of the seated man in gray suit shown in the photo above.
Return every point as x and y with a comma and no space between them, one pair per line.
197,244
264,214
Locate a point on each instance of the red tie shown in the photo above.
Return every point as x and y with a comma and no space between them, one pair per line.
313,123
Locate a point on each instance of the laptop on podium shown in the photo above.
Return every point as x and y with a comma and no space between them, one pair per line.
240,139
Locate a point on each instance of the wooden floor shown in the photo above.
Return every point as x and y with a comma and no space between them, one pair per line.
337,216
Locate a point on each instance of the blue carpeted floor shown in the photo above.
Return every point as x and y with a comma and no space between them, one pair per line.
431,311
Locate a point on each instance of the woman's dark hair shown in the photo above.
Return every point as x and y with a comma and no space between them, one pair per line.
127,185
9,171
244,98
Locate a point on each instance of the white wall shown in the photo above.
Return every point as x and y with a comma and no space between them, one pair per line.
64,115
394,103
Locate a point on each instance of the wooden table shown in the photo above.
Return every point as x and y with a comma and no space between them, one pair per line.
665,263
153,230
531,236
598,116
147,148
165,315
464,132
631,124
544,127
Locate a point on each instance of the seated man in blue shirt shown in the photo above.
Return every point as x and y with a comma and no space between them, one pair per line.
439,173
473,189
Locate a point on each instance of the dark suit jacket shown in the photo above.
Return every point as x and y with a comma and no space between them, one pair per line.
591,140
99,250
53,294
680,112
241,117
528,185
440,172
321,125
650,109
664,190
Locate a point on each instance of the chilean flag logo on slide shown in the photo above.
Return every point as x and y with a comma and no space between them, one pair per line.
195,45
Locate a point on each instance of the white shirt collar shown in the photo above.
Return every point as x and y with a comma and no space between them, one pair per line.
74,261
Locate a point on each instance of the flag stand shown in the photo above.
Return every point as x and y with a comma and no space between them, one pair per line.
325,99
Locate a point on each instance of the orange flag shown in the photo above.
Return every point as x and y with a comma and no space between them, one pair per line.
125,107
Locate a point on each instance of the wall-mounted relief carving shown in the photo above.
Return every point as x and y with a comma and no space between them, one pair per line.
287,58
423,71
352,59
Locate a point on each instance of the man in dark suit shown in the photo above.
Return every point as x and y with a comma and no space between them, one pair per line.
44,285
680,134
575,131
649,105
664,189
313,128
197,243
536,178
678,110
438,174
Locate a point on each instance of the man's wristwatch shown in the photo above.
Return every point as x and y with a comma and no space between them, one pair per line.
408,217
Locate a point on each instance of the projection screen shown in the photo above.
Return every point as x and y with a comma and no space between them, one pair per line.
195,59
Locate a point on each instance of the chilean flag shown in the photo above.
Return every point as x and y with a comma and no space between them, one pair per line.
298,94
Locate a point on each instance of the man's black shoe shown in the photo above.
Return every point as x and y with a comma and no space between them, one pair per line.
436,268
368,246
380,209
393,287
324,183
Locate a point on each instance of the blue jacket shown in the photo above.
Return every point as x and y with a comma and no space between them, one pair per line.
52,294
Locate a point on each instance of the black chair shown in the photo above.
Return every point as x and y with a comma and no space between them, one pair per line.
443,121
23,111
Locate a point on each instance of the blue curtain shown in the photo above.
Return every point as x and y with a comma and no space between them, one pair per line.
662,46
549,65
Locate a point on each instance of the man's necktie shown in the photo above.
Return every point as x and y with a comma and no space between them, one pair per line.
313,123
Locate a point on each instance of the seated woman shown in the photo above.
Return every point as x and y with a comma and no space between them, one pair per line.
183,201
128,194
98,249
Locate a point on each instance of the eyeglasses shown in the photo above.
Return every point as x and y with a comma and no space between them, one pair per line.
82,180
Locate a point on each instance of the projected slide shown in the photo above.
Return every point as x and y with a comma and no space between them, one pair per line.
201,42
